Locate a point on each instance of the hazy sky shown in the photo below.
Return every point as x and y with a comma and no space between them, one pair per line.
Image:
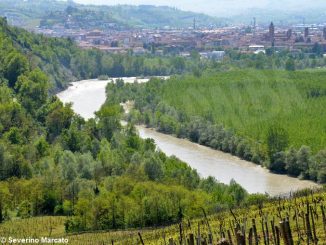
204,6
215,7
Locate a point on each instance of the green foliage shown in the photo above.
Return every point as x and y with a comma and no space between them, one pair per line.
109,120
114,17
15,65
256,115
33,90
277,140
14,136
153,168
321,166
142,204
58,118
278,162
102,174
290,65
63,62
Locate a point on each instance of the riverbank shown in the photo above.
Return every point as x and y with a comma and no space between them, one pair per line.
225,167
87,97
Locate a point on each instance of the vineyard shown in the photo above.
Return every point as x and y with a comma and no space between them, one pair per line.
294,220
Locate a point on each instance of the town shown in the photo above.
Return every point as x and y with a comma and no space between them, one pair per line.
210,43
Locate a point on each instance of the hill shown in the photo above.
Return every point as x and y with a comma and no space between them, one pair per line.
162,16
31,13
281,16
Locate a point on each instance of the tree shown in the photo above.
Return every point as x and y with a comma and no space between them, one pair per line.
278,163
153,168
74,139
109,120
42,147
14,135
321,163
194,54
15,65
290,65
317,49
237,192
68,166
277,140
179,64
33,90
291,162
303,161
58,118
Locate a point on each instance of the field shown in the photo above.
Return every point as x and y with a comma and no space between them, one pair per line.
297,218
250,101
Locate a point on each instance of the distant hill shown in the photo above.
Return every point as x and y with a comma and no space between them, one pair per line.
30,13
151,16
226,8
281,17
27,13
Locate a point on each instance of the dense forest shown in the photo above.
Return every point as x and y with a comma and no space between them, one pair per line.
273,118
99,173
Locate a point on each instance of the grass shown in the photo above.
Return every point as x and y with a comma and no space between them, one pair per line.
38,226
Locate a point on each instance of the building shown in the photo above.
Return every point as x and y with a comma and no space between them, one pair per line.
289,34
271,32
256,49
306,32
214,55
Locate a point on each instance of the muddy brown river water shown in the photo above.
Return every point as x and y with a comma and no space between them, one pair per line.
87,97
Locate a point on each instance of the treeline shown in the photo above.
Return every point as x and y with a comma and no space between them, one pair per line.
102,175
266,117
64,62
278,60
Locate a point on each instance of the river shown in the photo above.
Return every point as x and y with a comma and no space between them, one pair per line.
87,97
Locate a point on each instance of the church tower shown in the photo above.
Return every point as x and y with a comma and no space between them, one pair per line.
272,33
